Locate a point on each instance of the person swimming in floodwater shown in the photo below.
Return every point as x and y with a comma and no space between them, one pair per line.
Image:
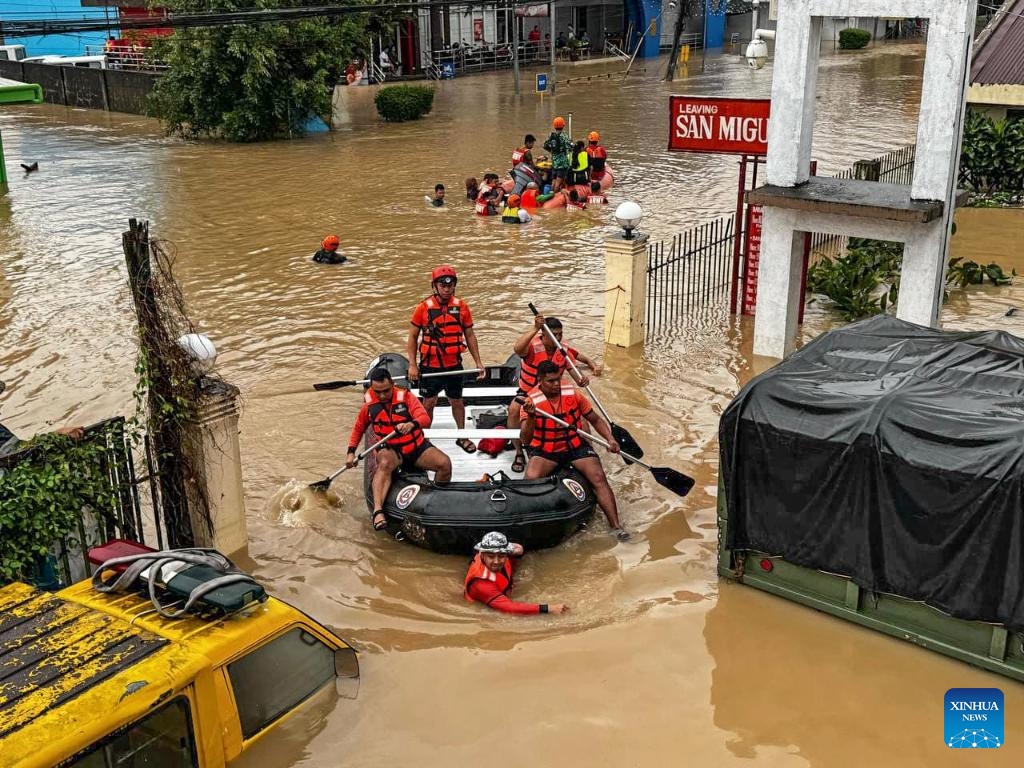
328,253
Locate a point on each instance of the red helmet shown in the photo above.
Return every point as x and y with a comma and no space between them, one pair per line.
445,270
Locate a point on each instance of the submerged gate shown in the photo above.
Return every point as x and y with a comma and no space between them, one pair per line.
689,271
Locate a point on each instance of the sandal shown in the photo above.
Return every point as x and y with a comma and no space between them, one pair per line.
382,523
466,444
519,462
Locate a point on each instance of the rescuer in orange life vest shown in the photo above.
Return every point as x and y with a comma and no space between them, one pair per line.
489,578
440,330
552,445
387,408
534,347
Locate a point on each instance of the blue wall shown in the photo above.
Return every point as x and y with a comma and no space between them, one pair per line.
715,29
641,13
65,45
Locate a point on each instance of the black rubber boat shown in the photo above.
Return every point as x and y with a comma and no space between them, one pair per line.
484,494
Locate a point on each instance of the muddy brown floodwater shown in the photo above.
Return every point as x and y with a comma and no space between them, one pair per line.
659,662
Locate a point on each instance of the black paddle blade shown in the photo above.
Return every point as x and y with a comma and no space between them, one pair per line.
627,443
675,481
321,485
333,385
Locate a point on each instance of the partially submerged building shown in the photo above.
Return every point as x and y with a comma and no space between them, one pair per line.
997,69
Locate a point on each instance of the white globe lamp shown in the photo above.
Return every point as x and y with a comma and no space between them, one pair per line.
201,350
628,216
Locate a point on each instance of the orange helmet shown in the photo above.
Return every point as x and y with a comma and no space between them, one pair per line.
558,122
330,243
513,200
445,270
593,136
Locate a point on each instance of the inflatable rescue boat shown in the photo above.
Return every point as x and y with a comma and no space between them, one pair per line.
484,493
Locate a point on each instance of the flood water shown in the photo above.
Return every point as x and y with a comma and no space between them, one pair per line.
658,662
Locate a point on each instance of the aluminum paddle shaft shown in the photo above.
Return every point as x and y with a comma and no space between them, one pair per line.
323,485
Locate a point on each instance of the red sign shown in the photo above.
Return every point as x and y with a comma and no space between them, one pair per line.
478,29
755,214
709,124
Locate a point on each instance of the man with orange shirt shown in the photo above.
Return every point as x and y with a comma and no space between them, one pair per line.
441,329
553,446
489,578
386,409
535,346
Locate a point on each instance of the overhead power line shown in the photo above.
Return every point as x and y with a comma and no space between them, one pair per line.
52,26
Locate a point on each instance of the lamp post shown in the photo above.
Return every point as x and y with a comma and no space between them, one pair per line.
628,216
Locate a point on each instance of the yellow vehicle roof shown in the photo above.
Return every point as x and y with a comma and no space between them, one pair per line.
79,664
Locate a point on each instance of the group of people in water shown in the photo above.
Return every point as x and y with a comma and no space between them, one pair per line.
440,330
573,169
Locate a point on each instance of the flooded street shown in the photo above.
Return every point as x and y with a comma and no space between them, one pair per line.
658,662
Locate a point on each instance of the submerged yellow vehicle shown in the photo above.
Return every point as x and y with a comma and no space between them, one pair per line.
94,680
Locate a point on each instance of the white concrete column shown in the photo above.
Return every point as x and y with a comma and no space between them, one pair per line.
625,304
778,284
923,274
940,122
212,447
794,86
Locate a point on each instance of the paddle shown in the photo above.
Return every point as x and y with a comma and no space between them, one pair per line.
347,383
622,437
672,479
323,485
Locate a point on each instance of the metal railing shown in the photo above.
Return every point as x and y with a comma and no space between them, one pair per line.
479,58
125,515
896,167
691,271
138,59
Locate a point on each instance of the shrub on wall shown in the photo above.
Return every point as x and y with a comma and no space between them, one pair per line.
854,38
398,103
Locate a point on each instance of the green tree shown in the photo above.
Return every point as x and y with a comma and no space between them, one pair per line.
251,82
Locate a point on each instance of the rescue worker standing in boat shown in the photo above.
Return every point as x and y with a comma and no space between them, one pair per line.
386,409
553,446
534,347
489,578
441,328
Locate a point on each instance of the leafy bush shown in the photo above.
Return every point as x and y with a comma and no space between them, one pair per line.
964,273
250,82
43,496
866,279
398,103
992,156
854,38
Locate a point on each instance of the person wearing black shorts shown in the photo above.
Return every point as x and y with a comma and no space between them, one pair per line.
440,330
553,446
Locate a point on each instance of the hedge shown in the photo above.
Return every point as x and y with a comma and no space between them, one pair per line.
854,38
398,103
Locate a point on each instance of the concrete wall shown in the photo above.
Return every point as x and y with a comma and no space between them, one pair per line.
994,100
110,89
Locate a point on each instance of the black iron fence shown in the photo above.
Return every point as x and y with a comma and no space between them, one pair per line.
690,270
125,514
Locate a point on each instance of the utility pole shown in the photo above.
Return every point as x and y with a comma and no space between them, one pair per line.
704,40
677,34
515,47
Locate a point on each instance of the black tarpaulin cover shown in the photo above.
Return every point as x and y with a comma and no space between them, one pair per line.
893,454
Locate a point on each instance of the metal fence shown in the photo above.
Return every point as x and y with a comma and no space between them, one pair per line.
128,516
896,167
689,271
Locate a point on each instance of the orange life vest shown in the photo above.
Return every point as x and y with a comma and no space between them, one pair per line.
443,335
518,155
574,207
529,199
384,417
548,436
597,199
479,571
483,207
536,355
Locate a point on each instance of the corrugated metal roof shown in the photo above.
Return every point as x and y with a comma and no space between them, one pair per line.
999,54
52,650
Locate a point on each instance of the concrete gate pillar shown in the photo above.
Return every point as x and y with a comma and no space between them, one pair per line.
921,213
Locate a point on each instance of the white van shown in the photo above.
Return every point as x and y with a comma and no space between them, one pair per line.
12,52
